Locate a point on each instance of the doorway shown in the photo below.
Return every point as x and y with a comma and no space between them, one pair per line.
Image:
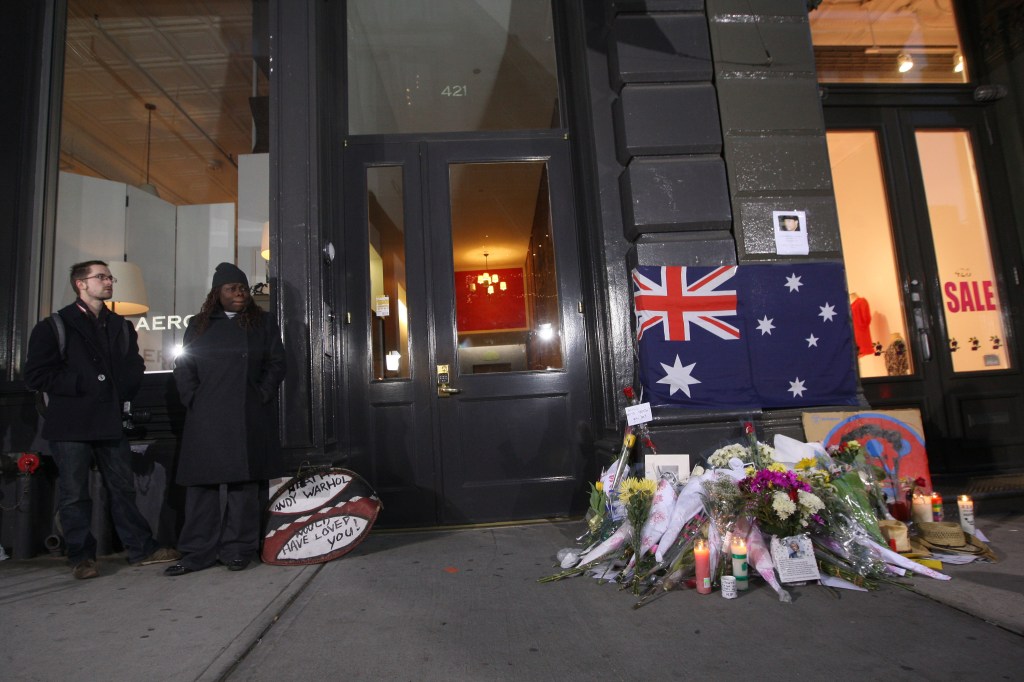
933,272
466,364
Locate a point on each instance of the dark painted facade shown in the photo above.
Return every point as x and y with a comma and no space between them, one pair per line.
688,121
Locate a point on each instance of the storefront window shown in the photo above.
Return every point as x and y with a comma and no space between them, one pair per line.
419,66
976,337
887,41
164,170
876,300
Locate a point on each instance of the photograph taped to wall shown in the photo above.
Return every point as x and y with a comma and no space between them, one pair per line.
655,466
790,232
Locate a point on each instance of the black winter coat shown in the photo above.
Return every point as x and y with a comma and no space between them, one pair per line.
86,387
227,378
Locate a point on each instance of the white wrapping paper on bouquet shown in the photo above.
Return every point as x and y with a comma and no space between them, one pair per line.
891,557
614,542
686,506
616,509
662,505
689,502
759,556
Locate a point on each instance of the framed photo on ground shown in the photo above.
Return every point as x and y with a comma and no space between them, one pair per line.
656,465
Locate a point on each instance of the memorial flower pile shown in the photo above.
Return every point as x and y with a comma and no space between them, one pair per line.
640,532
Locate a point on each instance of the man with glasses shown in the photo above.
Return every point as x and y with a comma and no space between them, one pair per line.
87,382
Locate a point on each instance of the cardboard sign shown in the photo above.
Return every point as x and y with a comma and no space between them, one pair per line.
319,516
893,439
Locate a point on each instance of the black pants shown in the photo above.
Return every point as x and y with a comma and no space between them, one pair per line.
212,533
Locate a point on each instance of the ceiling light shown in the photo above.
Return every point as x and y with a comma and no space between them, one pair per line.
958,64
904,62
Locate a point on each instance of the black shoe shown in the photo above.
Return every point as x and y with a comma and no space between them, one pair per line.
177,569
237,564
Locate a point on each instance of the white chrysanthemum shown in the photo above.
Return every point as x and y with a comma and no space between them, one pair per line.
719,459
782,505
766,452
811,503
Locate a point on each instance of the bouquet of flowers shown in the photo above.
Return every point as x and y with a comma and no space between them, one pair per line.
724,502
759,454
781,502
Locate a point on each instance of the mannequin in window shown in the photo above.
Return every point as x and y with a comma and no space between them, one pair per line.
860,311
897,357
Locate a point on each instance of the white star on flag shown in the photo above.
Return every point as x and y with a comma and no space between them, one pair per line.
827,312
793,283
678,378
797,387
812,340
765,326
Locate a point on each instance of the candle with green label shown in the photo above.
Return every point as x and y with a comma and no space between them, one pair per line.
739,563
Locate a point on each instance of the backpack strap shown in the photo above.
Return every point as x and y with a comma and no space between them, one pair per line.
58,327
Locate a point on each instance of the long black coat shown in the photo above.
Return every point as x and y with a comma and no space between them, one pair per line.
87,386
227,378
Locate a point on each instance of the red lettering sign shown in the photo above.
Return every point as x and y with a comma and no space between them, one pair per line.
969,296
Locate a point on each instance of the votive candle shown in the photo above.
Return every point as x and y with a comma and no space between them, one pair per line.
739,563
966,506
937,514
702,559
921,508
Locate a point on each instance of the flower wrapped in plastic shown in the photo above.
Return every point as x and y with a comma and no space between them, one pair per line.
781,502
723,503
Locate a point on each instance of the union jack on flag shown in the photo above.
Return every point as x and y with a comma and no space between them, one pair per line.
675,303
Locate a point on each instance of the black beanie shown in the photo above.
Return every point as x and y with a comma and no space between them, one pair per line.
227,273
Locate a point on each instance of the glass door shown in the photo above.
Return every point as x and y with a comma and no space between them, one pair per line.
466,350
932,271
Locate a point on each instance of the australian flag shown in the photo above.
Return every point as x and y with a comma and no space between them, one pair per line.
745,337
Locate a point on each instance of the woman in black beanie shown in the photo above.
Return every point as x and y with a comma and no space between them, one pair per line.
227,377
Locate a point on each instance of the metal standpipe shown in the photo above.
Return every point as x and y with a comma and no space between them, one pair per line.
28,491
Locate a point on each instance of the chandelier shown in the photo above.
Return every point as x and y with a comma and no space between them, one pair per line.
489,280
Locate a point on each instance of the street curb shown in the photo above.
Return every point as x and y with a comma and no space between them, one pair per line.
968,610
236,650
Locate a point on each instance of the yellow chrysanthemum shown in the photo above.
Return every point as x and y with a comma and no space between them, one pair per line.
778,468
807,463
636,486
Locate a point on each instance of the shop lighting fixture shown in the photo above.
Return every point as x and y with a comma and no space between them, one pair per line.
488,279
958,64
393,360
904,62
129,297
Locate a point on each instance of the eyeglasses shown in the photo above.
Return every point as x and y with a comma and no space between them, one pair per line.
102,278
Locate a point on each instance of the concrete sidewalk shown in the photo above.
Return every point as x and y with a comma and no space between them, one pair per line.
465,605
135,623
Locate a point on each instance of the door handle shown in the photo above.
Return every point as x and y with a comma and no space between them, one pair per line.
443,391
926,346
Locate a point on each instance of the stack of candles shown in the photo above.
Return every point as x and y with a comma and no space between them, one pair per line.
966,506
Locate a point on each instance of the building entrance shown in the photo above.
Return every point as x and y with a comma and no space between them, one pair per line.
467,371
